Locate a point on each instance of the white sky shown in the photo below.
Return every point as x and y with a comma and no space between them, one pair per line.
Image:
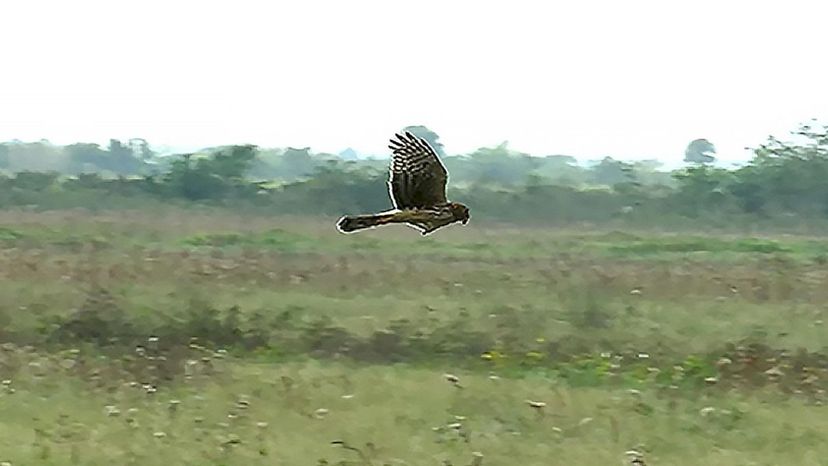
631,79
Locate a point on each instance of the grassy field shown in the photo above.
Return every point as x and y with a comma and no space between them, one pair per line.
193,338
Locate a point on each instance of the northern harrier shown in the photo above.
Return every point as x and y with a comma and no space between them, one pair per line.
417,186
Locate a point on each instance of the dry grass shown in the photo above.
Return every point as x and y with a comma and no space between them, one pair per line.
245,413
542,305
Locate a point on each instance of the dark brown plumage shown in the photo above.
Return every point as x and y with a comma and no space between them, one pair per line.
417,186
418,178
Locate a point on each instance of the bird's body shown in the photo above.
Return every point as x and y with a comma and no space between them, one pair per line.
417,186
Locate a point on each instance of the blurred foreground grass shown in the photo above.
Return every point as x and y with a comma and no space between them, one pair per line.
263,414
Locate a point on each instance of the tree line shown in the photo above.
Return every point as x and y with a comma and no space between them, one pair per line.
784,182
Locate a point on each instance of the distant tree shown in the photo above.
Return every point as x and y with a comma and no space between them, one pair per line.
788,176
701,189
499,165
562,160
348,154
297,162
700,151
337,187
90,158
212,176
429,135
649,173
35,181
85,157
141,149
35,156
560,169
121,159
230,164
610,172
649,165
4,156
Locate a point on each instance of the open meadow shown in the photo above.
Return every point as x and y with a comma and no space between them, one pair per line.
187,337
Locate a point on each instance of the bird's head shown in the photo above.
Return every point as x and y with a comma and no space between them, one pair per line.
460,212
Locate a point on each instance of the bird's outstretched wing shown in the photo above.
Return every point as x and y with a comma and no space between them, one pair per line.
418,177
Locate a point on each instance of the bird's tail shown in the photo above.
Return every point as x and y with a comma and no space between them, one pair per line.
351,223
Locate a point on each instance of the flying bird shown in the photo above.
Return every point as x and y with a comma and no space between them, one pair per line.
417,187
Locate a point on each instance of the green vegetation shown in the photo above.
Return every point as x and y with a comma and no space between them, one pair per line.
781,189
201,309
221,337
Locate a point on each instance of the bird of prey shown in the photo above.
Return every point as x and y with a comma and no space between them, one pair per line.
417,186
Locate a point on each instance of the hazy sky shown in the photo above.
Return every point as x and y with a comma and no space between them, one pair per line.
630,79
